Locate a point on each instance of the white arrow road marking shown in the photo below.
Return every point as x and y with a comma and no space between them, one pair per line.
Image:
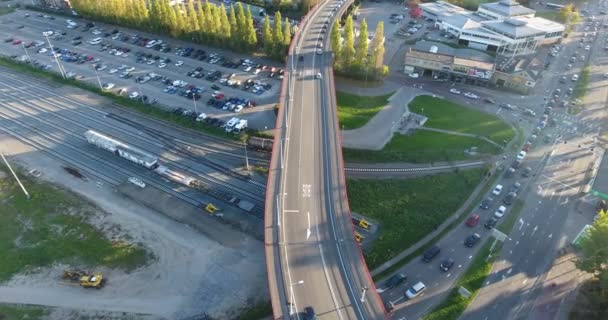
308,229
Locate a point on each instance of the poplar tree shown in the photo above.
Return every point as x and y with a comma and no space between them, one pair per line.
277,35
335,43
267,40
348,49
362,46
286,33
376,58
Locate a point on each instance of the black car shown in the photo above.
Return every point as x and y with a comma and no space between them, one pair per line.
472,240
446,264
508,200
395,280
301,58
491,223
486,203
309,313
215,87
389,306
431,253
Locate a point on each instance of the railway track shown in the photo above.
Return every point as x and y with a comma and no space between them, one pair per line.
257,200
223,143
51,149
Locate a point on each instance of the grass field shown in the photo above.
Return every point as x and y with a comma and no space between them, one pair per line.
443,114
422,147
408,209
21,312
51,227
355,111
454,304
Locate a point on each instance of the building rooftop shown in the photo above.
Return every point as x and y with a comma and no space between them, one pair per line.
512,65
507,8
462,53
514,28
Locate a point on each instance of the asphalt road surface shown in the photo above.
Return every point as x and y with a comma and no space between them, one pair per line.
312,257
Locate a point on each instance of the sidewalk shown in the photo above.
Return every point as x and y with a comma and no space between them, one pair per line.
379,130
433,234
462,134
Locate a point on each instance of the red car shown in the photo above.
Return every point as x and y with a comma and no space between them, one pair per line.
473,220
527,147
16,42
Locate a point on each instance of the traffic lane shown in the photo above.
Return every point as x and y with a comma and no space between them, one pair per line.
522,259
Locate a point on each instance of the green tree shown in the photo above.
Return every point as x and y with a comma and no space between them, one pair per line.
348,49
225,27
267,40
241,22
286,33
193,17
594,251
362,46
376,58
335,43
251,39
277,36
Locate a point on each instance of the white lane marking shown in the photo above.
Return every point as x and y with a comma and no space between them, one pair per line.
551,236
331,287
534,230
398,299
308,229
289,210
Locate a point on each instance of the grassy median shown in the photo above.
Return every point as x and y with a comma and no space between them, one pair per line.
423,147
52,227
408,209
19,312
355,111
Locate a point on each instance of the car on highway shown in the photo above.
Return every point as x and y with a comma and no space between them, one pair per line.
486,203
500,212
496,191
473,220
490,223
395,280
430,253
472,240
446,264
455,91
415,290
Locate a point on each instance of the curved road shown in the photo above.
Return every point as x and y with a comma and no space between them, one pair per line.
312,257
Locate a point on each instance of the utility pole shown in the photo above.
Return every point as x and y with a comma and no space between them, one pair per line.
98,80
46,35
246,157
194,101
29,59
27,195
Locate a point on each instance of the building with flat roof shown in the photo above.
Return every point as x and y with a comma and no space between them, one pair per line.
443,62
505,27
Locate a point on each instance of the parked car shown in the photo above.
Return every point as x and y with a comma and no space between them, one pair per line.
473,220
496,191
490,223
446,264
415,290
430,253
395,280
500,212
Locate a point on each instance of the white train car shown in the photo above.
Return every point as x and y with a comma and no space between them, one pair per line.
174,175
121,149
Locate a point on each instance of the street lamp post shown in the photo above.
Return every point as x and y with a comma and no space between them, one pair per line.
98,80
29,60
246,156
46,35
292,303
363,294
194,101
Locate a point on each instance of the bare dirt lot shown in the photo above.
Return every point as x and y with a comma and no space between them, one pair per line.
191,274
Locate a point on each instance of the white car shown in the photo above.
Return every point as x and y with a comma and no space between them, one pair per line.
575,77
179,63
318,76
319,51
133,95
587,48
162,65
112,71
124,66
500,211
415,290
455,91
496,191
96,32
108,86
238,108
471,95
102,67
247,69
413,75
42,50
521,155
150,62
201,117
137,182
129,69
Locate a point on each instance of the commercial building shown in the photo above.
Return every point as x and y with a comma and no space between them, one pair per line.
505,27
519,73
442,63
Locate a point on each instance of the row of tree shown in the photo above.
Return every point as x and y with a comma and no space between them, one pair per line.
362,59
204,23
276,39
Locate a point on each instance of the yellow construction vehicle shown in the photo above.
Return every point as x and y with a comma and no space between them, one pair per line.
211,208
85,279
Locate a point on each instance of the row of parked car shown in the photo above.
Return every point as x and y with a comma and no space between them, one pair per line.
234,125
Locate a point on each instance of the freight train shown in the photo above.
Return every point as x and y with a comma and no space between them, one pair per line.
257,143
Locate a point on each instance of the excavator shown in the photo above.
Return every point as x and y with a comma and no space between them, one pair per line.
85,279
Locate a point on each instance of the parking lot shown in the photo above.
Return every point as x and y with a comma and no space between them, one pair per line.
166,72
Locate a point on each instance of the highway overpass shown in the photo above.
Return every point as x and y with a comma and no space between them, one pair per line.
312,256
